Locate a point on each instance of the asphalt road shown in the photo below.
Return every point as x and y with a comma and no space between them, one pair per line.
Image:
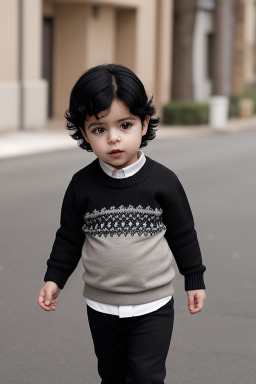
217,346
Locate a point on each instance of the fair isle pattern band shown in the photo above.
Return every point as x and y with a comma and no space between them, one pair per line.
123,221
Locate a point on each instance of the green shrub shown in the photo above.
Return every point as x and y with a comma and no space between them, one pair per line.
233,105
185,113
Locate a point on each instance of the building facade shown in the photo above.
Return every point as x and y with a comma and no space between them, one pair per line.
221,48
50,43
47,44
23,91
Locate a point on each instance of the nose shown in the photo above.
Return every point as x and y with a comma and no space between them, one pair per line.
113,136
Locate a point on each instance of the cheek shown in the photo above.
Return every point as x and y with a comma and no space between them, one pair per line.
139,138
97,145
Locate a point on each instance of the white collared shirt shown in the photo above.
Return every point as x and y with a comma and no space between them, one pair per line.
126,310
124,172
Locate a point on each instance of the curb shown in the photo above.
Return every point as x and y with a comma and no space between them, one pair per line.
22,143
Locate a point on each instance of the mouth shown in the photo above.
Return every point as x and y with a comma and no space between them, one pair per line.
116,153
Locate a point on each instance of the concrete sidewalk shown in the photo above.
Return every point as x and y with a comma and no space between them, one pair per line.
56,137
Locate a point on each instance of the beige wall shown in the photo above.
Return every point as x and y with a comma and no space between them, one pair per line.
244,75
48,8
23,93
8,40
135,33
32,36
145,54
125,37
82,39
163,71
69,48
126,31
100,36
250,41
112,3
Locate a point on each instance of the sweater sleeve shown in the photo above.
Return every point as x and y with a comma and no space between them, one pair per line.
182,238
67,247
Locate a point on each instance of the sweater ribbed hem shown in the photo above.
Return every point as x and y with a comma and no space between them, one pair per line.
194,281
117,298
58,276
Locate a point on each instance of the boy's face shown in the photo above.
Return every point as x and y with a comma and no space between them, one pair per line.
116,137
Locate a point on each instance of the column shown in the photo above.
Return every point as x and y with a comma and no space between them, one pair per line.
145,50
223,52
164,53
34,87
9,84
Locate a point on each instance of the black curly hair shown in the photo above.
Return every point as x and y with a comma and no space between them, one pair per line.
95,91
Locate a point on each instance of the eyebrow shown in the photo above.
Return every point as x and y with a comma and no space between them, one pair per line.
117,121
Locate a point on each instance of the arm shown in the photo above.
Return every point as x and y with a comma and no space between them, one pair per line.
67,247
182,239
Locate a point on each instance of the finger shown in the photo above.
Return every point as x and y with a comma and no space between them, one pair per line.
44,298
41,299
53,304
196,310
47,308
191,302
198,307
43,306
48,298
41,294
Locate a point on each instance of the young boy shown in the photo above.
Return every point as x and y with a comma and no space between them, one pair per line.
126,215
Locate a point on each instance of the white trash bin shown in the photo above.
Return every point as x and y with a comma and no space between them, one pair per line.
218,111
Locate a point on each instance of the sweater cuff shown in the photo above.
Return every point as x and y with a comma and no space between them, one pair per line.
194,281
58,276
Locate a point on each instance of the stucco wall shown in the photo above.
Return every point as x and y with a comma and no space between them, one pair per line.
22,91
9,41
136,33
69,46
250,42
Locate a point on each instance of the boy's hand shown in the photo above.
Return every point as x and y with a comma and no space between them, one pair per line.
48,295
196,300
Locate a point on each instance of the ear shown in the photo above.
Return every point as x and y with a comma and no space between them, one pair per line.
84,134
145,125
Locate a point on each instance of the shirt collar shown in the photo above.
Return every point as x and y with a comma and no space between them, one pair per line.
127,171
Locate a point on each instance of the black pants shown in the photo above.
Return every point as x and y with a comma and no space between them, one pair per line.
132,350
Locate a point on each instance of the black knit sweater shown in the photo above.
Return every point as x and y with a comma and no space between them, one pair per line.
126,231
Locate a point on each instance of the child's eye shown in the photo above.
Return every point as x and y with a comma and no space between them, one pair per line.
98,130
126,125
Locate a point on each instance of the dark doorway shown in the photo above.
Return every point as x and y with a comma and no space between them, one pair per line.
48,58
